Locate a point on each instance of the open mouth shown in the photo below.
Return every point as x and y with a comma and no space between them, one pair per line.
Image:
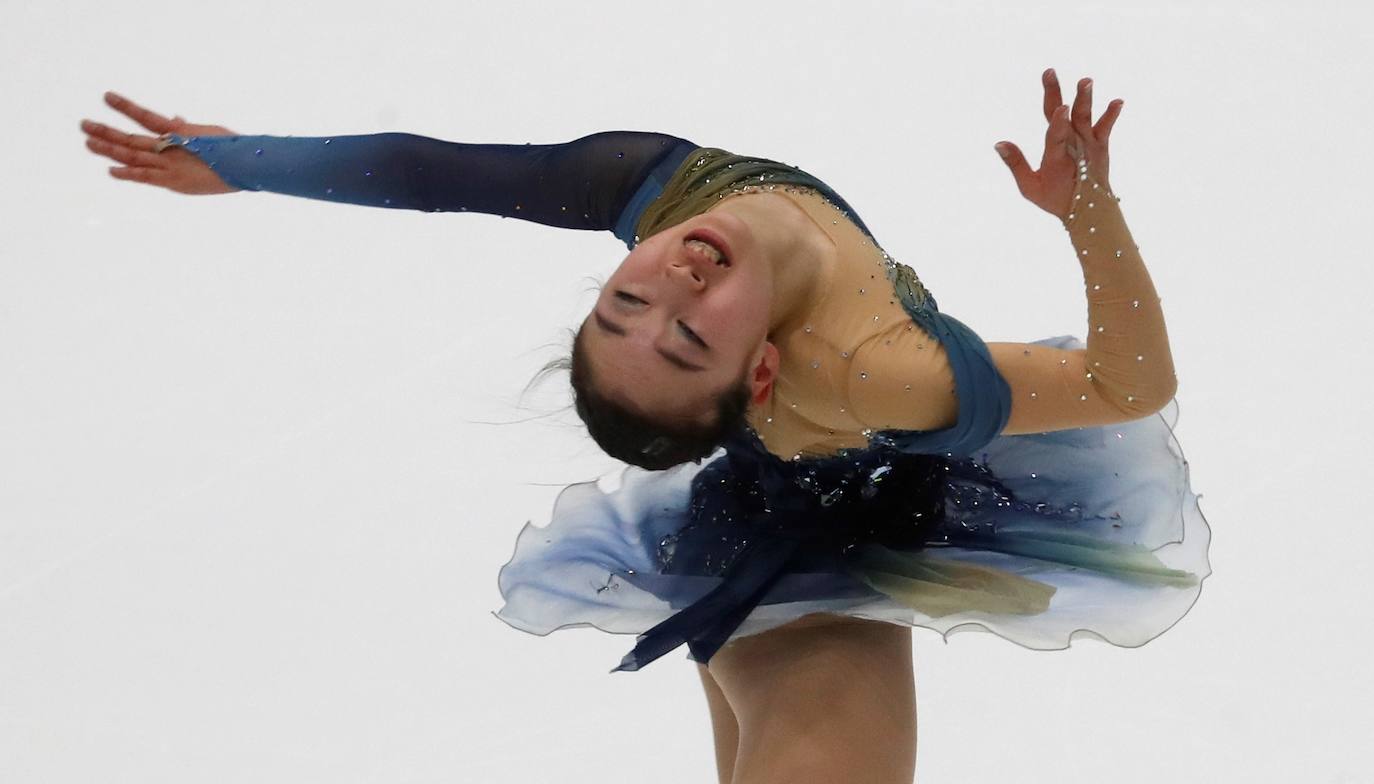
710,245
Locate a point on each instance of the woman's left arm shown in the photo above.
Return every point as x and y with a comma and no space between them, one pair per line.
578,184
1127,370
585,183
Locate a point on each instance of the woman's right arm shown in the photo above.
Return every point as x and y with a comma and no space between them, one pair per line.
1126,372
581,184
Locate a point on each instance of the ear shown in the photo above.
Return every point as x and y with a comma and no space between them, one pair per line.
763,371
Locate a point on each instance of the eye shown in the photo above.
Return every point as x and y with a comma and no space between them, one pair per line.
625,296
686,330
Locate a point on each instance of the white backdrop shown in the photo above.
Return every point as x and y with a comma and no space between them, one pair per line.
253,489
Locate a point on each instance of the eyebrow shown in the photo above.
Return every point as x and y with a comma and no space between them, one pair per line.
672,358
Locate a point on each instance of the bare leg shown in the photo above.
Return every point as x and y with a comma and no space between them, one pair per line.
723,726
825,698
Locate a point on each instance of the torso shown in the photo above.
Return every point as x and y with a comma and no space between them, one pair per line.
855,321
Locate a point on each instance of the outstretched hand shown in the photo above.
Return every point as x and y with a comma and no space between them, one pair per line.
1070,136
173,168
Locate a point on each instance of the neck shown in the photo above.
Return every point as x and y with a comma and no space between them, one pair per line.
795,249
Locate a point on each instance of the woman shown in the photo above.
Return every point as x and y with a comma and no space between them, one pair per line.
884,467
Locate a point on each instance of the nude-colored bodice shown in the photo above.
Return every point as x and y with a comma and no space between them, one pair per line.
823,394
856,362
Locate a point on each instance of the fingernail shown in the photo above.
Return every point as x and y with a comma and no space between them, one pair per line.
1001,150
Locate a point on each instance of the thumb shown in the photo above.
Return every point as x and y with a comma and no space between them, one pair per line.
1011,155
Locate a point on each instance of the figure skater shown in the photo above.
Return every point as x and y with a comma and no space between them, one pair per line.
883,467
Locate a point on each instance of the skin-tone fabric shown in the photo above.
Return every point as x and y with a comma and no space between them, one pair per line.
858,363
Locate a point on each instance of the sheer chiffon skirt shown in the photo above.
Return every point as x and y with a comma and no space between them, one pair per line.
1046,537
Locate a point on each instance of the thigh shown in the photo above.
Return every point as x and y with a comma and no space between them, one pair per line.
724,728
824,698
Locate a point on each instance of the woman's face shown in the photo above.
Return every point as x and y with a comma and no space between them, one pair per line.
673,328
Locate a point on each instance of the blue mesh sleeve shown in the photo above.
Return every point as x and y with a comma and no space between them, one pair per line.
588,183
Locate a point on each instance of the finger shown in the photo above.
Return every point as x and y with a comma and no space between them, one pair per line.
1052,97
1103,130
146,117
105,132
140,174
1057,134
1083,109
1020,170
125,155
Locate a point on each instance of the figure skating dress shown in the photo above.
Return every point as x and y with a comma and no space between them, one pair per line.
880,480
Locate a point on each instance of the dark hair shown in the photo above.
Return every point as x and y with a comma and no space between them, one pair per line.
628,435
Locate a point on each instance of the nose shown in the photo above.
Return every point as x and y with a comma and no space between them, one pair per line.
684,272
